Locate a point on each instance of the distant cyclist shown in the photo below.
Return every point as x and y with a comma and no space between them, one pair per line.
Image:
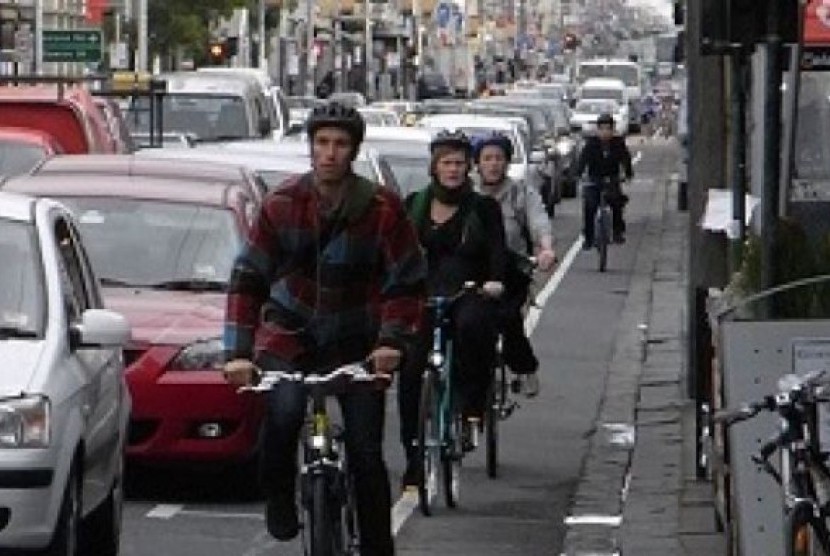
331,273
528,232
605,157
462,234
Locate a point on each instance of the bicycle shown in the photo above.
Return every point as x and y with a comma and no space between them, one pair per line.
804,475
439,440
500,405
327,492
603,222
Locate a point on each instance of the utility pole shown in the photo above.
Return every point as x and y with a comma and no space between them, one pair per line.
39,37
261,56
309,47
737,80
338,46
142,55
369,58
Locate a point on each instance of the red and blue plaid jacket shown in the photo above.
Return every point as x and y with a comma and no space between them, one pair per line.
315,294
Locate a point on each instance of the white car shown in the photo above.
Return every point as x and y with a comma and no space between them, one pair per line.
602,88
64,404
474,124
585,113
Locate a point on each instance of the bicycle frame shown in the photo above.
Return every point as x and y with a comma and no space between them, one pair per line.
442,354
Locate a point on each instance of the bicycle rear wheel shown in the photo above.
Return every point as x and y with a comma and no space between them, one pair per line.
804,534
491,424
322,529
429,444
451,460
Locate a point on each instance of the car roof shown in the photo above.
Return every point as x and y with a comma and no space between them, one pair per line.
216,193
17,207
206,83
603,82
400,133
464,120
129,164
256,161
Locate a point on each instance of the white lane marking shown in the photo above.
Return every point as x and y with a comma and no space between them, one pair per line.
535,311
638,156
165,511
588,519
223,515
403,509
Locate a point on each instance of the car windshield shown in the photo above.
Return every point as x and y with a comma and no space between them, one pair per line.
147,242
600,92
411,171
18,158
22,295
272,178
204,116
595,107
626,73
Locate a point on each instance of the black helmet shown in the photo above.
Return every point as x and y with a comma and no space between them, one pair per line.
334,114
605,119
455,139
495,139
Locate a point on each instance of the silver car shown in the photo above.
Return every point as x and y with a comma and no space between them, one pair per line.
63,400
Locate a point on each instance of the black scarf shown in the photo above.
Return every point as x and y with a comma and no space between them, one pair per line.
451,196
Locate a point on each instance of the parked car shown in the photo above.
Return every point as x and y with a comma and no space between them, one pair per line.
64,405
68,114
164,250
22,149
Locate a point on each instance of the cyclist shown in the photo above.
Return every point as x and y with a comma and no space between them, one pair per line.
462,234
331,273
528,231
604,155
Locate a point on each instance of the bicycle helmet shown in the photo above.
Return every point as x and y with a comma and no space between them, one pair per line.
495,139
334,114
605,119
457,139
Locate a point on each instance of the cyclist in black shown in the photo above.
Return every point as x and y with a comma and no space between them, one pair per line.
463,235
604,156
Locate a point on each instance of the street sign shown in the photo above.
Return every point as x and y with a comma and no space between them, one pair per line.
76,45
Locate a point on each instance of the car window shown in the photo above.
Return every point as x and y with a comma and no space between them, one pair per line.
73,283
390,180
18,158
22,291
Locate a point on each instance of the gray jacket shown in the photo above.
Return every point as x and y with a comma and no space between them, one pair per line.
521,206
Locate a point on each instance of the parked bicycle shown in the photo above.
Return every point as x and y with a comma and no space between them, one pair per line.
327,494
802,473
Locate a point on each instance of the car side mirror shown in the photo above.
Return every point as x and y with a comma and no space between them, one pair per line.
100,328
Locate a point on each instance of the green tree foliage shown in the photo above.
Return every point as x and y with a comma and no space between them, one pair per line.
185,24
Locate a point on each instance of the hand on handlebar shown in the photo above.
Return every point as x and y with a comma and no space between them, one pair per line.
492,289
385,360
546,259
241,372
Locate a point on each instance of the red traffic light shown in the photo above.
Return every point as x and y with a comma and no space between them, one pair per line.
218,52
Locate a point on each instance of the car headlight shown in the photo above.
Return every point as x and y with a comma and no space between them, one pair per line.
24,422
201,355
436,359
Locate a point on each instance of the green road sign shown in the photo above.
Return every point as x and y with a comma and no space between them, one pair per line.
75,45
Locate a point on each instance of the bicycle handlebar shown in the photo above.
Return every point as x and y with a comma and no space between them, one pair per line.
360,372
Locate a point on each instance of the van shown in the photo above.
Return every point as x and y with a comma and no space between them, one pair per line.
212,107
274,95
606,88
68,114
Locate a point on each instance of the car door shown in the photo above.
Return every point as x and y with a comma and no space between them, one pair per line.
101,368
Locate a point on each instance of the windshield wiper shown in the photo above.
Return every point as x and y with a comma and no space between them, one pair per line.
193,284
7,332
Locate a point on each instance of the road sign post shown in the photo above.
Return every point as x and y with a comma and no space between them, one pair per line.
77,45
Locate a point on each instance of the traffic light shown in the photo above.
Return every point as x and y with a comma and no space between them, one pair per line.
570,42
218,52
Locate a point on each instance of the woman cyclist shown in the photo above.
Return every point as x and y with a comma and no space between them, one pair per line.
528,231
462,234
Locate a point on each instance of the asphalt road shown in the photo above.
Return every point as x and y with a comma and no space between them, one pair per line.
182,513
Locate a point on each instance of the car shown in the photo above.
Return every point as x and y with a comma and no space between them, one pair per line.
406,150
150,164
585,114
432,85
64,405
164,250
22,149
473,124
379,117
349,98
67,113
602,88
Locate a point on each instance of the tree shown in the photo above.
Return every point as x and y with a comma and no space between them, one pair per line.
185,24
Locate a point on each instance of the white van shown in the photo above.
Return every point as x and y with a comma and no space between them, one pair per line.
603,88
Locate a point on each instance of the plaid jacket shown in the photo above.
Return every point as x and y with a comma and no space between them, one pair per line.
315,294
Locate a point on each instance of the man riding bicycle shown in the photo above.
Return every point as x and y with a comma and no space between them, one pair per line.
331,273
462,234
604,156
528,231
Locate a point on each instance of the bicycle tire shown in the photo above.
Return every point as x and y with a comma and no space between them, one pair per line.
801,537
602,235
428,444
322,529
451,461
491,424
350,543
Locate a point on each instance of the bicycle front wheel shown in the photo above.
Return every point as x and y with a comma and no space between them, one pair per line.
804,534
602,234
322,513
429,444
451,461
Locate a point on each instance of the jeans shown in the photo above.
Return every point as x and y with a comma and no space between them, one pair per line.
473,329
590,204
363,416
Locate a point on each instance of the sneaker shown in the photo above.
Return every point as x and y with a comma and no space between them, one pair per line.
587,245
281,517
530,385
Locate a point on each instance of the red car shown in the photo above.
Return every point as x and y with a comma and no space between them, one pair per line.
164,249
21,149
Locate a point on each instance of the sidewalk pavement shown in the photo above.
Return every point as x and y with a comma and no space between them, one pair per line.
638,495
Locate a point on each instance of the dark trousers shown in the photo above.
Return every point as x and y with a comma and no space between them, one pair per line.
517,351
590,203
473,331
363,419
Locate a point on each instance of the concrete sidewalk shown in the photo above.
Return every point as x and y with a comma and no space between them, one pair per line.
638,494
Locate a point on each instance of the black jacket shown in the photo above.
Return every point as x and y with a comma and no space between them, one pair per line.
603,160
